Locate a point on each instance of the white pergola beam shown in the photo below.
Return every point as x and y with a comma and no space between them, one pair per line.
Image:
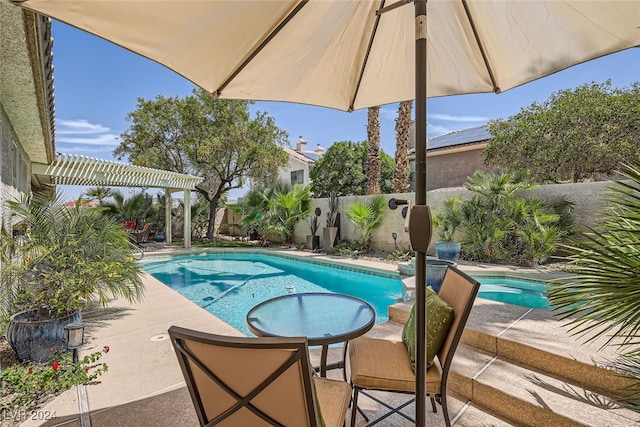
73,169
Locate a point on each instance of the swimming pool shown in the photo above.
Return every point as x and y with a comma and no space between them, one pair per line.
229,284
522,292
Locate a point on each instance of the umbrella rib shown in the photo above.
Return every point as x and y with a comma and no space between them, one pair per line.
496,89
366,56
262,45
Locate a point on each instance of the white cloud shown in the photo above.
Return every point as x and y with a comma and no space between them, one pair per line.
100,152
389,113
453,118
109,139
80,136
436,130
78,127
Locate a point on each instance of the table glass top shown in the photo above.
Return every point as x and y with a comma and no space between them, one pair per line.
317,316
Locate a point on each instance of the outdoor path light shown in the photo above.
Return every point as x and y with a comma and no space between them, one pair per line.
75,337
394,235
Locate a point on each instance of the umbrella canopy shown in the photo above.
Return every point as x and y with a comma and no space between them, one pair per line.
349,54
341,54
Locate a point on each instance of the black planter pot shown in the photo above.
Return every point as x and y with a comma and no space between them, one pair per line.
32,340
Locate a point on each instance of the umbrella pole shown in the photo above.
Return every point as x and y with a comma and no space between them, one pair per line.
421,199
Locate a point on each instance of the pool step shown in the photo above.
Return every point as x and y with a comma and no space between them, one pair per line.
514,361
532,398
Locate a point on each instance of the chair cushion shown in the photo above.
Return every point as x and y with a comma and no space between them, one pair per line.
381,364
333,398
439,317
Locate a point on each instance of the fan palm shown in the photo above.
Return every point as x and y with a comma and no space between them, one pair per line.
602,295
287,206
368,217
99,193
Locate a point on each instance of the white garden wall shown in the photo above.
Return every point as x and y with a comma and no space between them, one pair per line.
588,199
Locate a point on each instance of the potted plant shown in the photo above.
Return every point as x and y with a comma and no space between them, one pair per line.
330,232
64,257
313,240
446,223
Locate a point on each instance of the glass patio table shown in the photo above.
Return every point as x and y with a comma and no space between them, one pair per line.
324,318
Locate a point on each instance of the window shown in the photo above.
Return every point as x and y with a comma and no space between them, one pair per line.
297,177
15,165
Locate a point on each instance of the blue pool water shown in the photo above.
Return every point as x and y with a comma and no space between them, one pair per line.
526,293
229,284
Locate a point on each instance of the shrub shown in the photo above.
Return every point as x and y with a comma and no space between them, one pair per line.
29,385
345,248
601,298
499,225
368,217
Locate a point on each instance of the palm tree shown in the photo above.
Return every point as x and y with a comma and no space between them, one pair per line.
373,151
601,297
99,193
401,171
65,257
138,208
368,217
253,212
287,205
498,225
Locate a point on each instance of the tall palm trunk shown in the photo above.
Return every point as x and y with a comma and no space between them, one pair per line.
401,171
373,151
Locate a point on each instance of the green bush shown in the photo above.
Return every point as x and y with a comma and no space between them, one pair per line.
499,225
401,254
345,248
28,385
368,217
600,298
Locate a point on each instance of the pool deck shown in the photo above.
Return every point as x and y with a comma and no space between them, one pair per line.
144,385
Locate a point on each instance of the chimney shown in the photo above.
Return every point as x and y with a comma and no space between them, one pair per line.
319,150
301,145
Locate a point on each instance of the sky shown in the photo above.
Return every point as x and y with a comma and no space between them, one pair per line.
98,83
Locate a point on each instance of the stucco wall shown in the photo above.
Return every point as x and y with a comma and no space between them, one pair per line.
7,189
453,169
588,199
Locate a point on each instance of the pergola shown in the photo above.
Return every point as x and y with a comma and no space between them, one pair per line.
73,169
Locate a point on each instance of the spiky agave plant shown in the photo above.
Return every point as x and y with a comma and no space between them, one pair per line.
602,296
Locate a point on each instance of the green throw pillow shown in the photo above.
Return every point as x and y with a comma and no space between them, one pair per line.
439,317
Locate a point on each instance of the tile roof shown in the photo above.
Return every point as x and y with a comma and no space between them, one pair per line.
303,157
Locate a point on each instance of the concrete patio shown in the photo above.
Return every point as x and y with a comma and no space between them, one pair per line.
499,376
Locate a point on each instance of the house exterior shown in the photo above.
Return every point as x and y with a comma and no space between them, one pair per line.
300,162
453,157
27,125
27,111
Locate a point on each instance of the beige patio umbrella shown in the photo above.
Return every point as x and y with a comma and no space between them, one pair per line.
350,54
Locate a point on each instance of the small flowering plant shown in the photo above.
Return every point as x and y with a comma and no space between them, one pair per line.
28,385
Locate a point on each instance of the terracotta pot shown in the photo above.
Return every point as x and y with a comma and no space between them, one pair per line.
32,340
